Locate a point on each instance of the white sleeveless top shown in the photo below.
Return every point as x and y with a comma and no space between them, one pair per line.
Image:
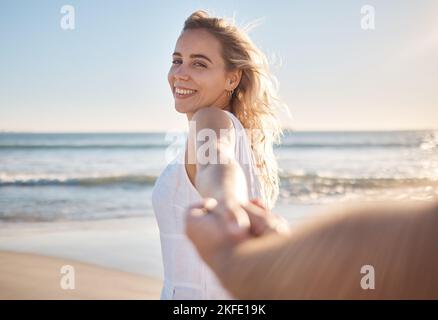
186,276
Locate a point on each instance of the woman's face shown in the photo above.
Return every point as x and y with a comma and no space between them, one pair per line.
198,77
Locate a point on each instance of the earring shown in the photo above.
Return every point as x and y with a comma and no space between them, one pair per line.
230,92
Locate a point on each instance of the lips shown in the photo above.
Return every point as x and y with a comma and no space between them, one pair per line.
180,87
181,92
184,96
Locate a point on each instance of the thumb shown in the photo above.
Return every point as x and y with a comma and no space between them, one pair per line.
197,215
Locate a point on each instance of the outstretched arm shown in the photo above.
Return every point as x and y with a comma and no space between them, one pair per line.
218,175
324,259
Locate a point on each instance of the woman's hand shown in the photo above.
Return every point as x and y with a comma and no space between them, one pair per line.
235,217
216,227
263,221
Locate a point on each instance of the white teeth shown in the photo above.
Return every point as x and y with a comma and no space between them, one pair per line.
184,91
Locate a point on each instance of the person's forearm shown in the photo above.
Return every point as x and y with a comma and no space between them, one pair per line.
222,181
324,260
254,269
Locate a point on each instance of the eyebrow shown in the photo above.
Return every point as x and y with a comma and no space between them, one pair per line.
194,56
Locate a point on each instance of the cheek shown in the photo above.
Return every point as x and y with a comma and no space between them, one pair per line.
212,83
170,78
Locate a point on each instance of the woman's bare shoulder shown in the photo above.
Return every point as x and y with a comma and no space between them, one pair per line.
212,118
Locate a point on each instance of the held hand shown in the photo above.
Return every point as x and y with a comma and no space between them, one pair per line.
250,216
214,233
235,217
217,227
263,221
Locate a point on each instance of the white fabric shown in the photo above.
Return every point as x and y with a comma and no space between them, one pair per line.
186,276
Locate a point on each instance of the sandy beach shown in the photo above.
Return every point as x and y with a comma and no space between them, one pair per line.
112,259
31,276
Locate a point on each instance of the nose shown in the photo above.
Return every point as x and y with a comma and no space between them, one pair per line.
180,73
181,77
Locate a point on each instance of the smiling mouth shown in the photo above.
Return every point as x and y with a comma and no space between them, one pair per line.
184,93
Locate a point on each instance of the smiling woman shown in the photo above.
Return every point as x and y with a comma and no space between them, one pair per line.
221,82
198,72
217,64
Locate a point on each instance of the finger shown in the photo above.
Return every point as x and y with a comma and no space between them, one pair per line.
198,216
282,228
197,212
264,222
210,203
258,219
255,208
283,225
237,229
207,203
259,226
258,203
237,234
234,225
242,218
236,216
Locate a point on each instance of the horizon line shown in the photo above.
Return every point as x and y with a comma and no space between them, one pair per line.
157,132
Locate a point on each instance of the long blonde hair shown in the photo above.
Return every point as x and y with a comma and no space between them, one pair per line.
254,101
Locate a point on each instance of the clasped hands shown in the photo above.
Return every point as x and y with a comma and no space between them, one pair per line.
216,227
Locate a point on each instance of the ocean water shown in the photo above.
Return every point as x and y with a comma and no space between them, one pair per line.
50,177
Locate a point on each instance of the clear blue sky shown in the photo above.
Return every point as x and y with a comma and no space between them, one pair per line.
110,73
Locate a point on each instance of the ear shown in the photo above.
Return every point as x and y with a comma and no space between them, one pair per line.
233,79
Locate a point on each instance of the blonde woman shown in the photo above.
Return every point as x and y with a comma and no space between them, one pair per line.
221,81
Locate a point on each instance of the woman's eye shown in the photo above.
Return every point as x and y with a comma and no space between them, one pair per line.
198,64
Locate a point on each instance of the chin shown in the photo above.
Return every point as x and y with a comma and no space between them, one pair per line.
182,109
185,108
